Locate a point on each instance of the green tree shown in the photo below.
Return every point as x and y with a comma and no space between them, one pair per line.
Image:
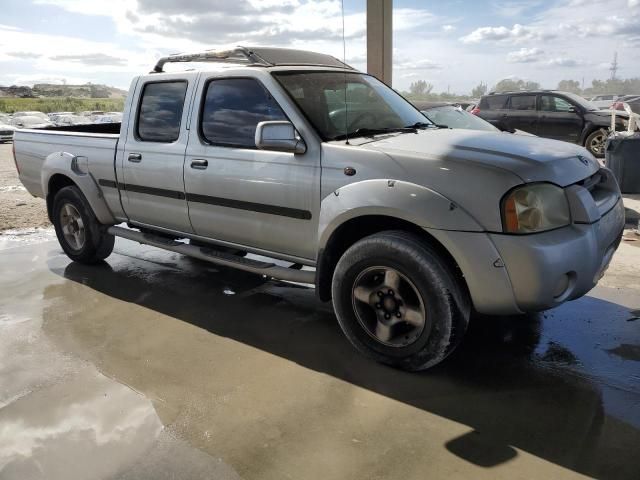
572,86
515,84
479,91
420,88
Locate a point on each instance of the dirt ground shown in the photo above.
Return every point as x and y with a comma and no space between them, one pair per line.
18,209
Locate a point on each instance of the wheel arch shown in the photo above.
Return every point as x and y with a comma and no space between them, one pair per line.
357,228
63,169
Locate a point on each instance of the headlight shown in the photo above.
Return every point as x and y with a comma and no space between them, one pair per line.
537,207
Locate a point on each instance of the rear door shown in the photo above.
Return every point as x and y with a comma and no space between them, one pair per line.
152,183
559,119
242,195
521,113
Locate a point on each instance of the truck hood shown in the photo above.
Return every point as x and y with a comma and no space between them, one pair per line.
532,159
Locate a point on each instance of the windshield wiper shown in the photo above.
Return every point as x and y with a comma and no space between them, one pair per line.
421,125
370,132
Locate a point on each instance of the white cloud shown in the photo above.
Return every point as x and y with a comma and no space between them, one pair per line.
517,34
525,55
564,62
448,28
513,8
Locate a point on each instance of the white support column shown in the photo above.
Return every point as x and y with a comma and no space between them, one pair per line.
380,39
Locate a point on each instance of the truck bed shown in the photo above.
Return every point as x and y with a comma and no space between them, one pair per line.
32,147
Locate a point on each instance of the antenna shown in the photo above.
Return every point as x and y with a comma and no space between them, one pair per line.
344,60
614,66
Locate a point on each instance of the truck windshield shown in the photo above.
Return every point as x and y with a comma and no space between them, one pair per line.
370,107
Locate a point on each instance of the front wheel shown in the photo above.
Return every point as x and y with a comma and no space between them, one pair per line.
80,234
596,142
398,302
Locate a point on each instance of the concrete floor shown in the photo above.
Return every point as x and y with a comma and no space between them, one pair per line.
153,366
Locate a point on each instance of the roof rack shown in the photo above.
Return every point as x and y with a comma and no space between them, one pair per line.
235,55
261,56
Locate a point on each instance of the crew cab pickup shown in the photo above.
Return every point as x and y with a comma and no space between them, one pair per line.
293,155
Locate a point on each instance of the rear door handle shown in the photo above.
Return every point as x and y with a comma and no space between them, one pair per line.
199,164
135,157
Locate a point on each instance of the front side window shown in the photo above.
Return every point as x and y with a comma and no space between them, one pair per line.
340,104
232,109
550,103
160,111
523,102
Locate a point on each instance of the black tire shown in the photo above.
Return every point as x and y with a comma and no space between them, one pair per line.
97,244
444,302
595,142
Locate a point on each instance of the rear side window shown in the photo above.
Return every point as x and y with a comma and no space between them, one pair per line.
232,109
160,111
494,102
523,102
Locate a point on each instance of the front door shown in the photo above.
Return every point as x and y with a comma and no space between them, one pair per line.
239,194
153,162
559,119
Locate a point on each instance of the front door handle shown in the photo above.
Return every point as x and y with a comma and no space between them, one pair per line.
135,157
199,164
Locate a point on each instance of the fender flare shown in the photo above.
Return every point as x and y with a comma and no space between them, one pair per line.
394,198
76,168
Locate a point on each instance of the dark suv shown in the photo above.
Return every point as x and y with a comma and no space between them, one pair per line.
551,114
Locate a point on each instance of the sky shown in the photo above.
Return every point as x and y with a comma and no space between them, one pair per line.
452,44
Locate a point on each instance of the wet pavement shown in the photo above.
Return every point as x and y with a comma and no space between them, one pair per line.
154,365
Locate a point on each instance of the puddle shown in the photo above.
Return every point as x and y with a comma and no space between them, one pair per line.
25,236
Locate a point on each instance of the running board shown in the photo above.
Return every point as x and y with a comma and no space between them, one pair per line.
216,256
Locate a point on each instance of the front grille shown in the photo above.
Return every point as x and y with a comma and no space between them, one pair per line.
6,132
602,187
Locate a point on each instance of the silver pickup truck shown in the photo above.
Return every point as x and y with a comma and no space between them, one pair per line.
341,183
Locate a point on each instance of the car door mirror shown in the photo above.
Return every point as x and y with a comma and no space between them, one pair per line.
280,136
500,125
572,110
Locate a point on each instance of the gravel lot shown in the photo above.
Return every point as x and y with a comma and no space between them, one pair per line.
18,209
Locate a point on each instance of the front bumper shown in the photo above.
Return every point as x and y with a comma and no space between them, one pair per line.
510,274
550,268
6,138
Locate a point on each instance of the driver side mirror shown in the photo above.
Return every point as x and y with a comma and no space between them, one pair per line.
503,127
572,110
280,136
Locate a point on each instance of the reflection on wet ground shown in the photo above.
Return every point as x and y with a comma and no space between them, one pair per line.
562,386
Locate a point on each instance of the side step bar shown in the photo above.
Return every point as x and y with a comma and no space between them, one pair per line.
216,256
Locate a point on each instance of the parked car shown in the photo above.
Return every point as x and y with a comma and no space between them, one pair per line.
6,132
551,114
632,100
30,122
452,116
40,115
406,227
109,118
604,101
68,120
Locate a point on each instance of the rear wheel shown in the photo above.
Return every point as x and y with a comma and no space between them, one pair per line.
398,302
81,236
596,141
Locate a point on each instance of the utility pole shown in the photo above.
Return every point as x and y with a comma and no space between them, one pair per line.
614,66
379,39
